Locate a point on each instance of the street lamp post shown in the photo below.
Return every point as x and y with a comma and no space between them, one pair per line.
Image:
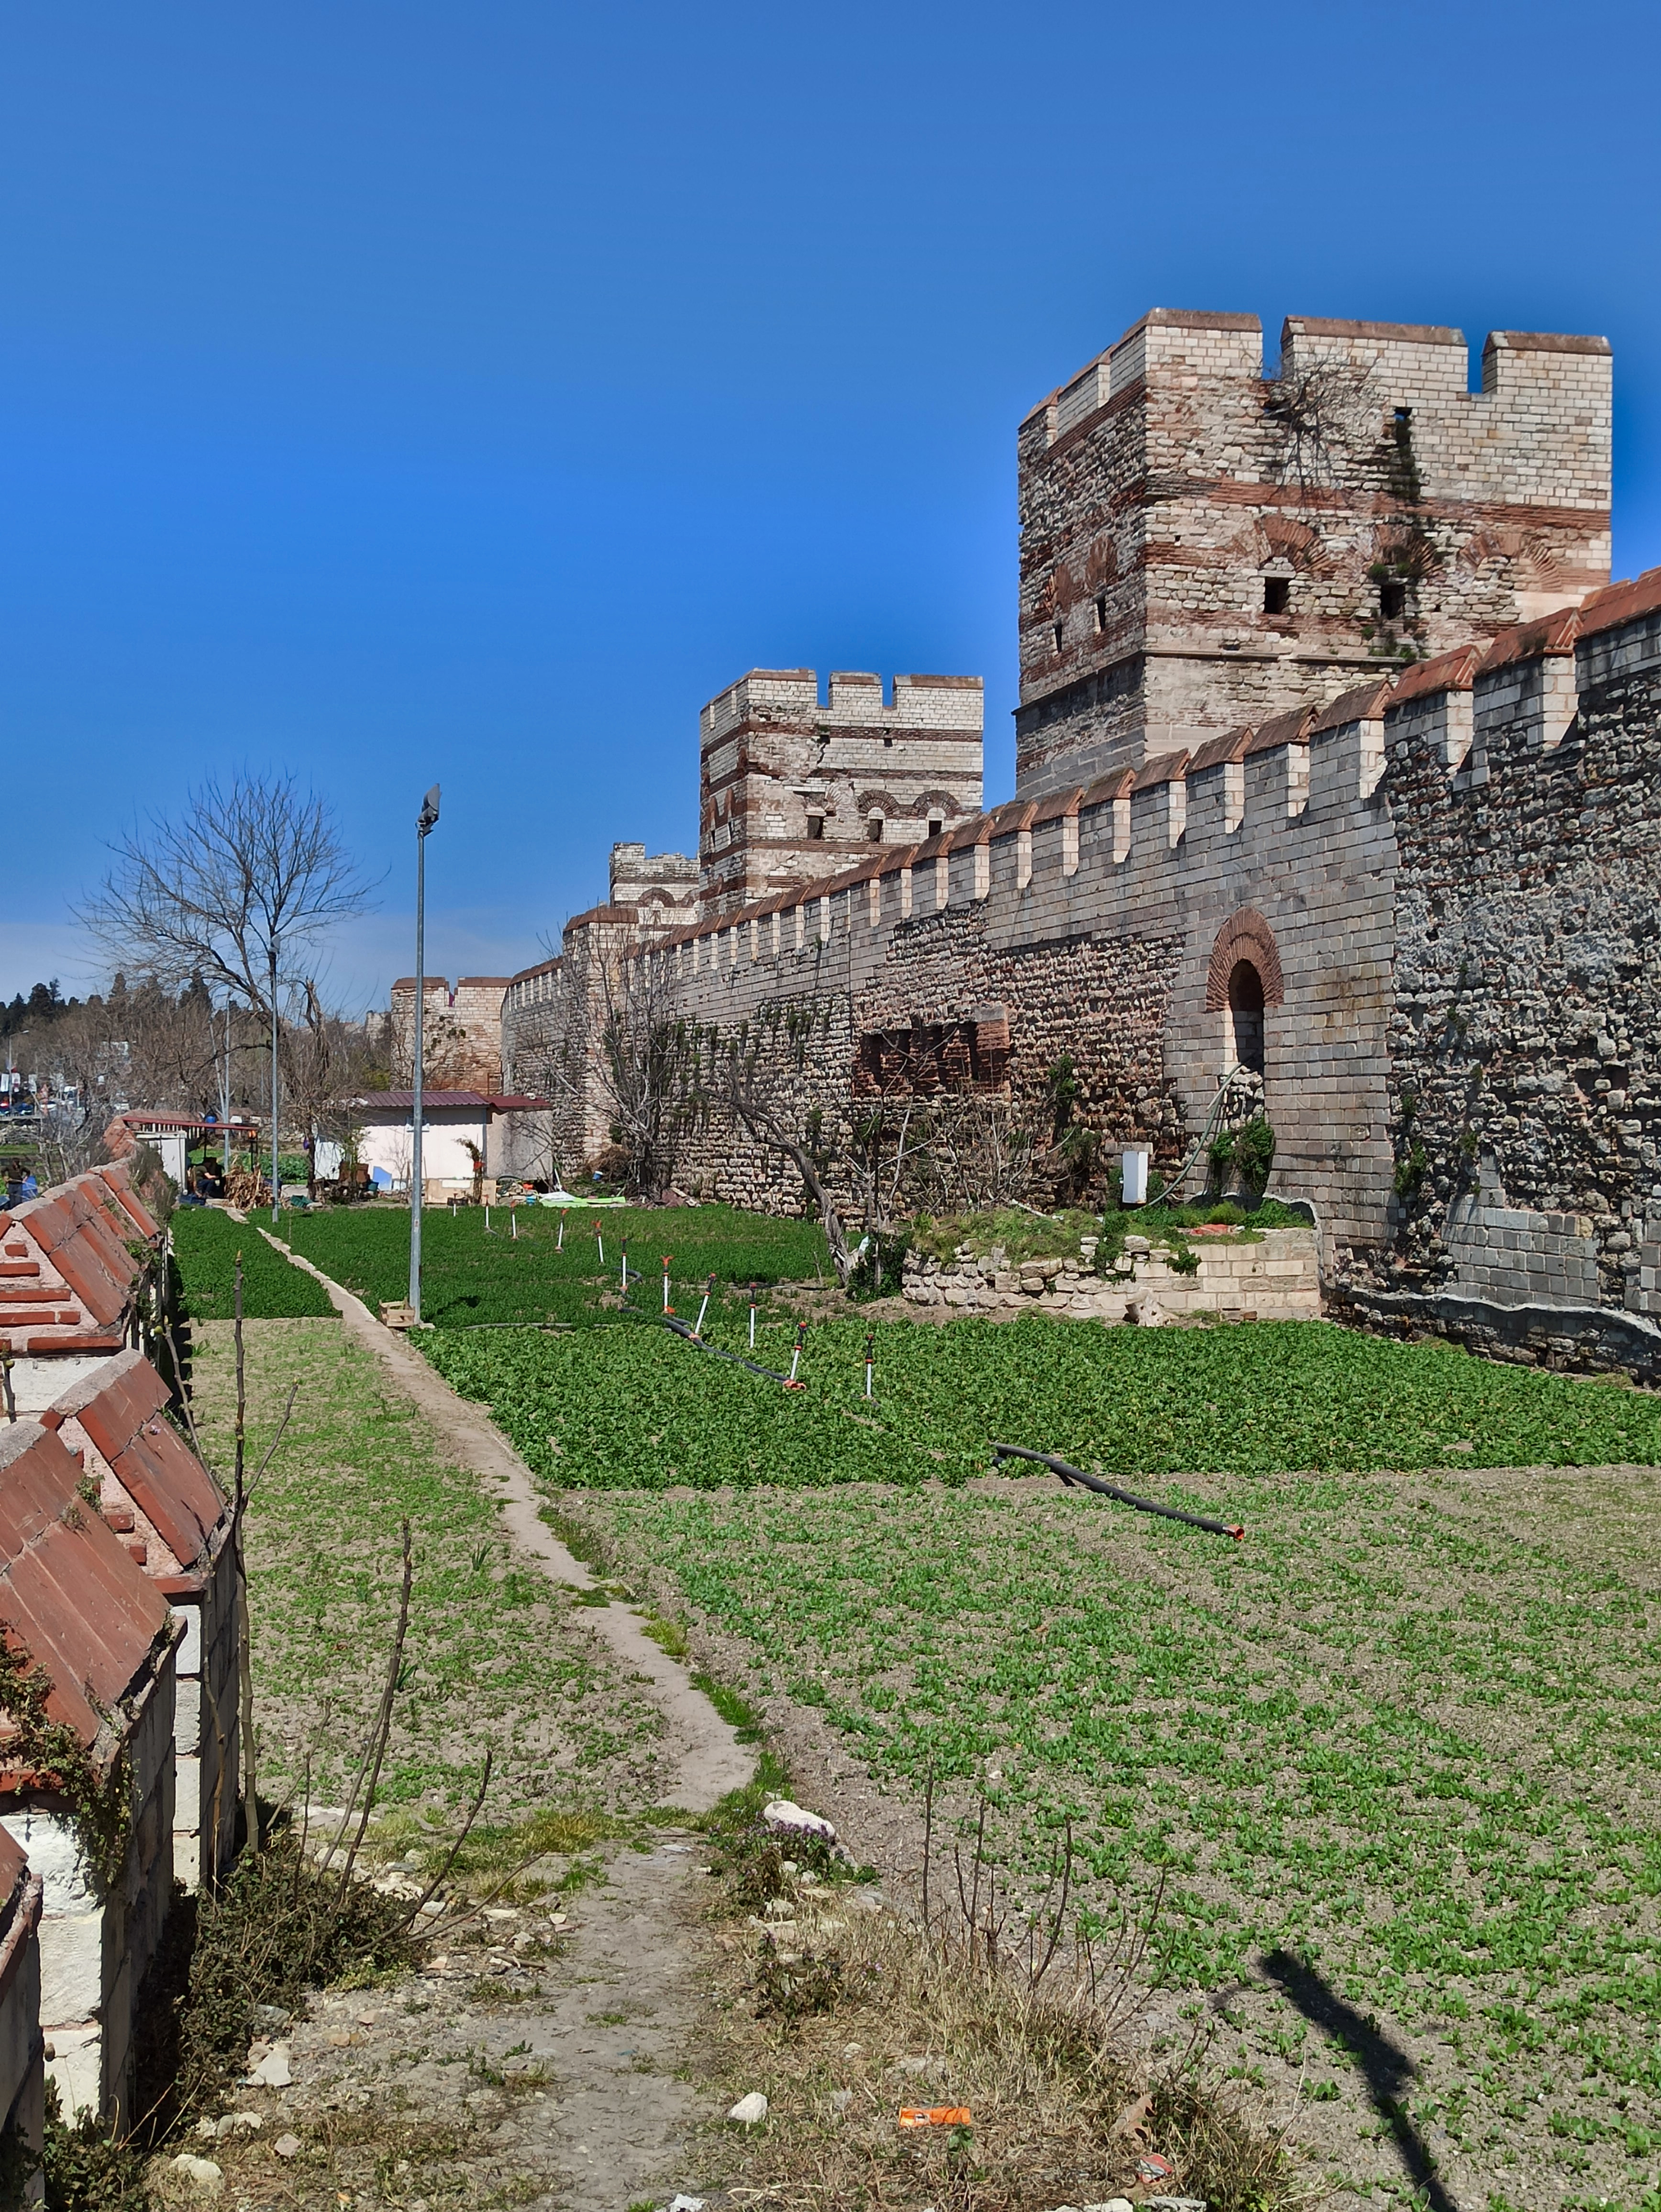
426,821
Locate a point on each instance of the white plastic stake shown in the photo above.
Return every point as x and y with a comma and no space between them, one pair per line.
559,1245
601,1240
667,1257
514,1219
704,1308
752,1317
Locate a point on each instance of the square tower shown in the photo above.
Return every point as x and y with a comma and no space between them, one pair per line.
792,790
1203,547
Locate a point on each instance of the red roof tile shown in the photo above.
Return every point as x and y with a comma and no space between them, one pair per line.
1448,671
1620,603
1166,767
1552,633
122,1407
1288,729
1363,702
1232,745
69,1595
1059,802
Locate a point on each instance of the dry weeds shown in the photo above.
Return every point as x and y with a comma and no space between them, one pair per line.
1061,2111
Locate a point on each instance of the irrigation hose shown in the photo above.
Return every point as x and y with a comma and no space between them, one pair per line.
690,1335
1070,1475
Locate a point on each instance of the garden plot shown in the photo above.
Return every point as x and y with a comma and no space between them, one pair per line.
491,1659
1398,1748
521,1270
206,1244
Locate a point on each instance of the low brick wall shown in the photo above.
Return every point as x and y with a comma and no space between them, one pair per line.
1272,1276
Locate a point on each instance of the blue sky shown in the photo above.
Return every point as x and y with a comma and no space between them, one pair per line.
415,392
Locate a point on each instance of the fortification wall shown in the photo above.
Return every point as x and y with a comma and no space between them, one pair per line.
1203,547
461,1031
1525,1081
1089,927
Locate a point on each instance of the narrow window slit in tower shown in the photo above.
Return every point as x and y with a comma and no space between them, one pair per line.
1277,594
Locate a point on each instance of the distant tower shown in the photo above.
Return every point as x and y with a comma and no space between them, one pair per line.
792,790
1202,548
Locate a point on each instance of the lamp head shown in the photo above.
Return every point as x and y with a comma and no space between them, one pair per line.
427,818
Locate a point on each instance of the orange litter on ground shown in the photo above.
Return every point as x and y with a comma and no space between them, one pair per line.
935,2116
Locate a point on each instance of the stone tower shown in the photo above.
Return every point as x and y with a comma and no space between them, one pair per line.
1203,548
792,790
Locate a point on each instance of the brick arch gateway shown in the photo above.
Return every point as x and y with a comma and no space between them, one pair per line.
1244,979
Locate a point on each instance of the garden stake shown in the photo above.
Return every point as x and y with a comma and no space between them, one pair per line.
697,1326
796,1357
487,1221
625,1264
752,1317
559,1245
870,1355
1072,1476
601,1240
513,1225
667,1308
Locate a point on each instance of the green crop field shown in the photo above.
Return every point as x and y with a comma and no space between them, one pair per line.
1405,1735
205,1244
471,1278
633,1407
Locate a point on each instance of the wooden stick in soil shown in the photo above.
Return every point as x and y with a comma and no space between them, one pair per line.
437,1882
244,1641
383,1727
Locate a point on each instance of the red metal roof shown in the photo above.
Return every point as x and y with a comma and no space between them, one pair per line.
122,1405
403,1102
69,1595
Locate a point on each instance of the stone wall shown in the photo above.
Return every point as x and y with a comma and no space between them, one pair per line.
1091,928
461,1033
1202,547
792,790
1525,1046
1272,1277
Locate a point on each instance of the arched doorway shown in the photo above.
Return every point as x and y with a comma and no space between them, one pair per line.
1243,982
1245,1016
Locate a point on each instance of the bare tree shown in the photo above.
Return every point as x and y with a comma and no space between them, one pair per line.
748,1084
249,876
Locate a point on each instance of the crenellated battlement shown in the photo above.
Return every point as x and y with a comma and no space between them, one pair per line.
1520,689
792,788
1203,546
1336,761
792,695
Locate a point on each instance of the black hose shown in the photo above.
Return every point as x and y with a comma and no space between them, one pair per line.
1070,1475
685,1330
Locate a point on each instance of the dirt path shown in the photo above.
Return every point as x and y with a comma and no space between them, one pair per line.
710,1761
527,2066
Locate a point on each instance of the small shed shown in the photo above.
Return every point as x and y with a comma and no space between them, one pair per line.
454,1125
77,1608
